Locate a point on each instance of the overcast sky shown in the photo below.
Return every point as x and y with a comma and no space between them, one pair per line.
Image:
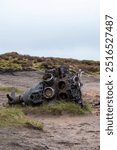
57,28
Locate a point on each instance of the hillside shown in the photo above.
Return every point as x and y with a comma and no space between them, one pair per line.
16,62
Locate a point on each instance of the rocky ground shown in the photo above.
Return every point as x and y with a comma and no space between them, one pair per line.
60,132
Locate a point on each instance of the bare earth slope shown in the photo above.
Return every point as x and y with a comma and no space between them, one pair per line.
60,132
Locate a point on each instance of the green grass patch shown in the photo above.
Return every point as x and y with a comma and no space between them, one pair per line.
18,116
9,64
14,116
59,109
9,89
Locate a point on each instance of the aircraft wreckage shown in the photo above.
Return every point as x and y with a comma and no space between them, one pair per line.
58,84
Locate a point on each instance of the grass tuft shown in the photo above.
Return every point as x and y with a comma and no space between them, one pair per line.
14,116
17,115
59,108
9,89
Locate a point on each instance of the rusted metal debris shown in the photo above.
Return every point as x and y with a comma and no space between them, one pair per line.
58,84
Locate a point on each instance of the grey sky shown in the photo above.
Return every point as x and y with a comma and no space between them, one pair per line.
58,28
